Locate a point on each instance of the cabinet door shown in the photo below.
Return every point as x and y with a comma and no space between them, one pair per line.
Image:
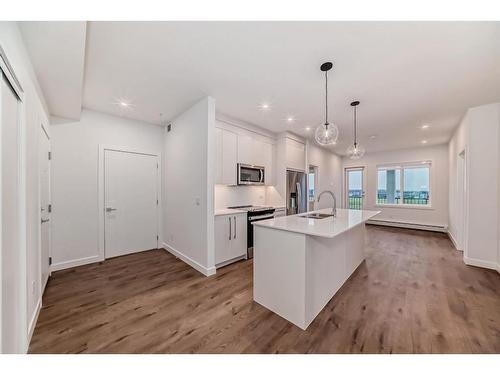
295,154
229,157
267,152
222,241
239,236
218,156
246,150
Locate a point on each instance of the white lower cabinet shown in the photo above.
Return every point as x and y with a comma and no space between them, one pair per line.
230,238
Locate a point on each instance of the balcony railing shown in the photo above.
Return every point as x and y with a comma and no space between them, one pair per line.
355,203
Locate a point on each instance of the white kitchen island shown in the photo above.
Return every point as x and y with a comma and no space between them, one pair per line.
300,263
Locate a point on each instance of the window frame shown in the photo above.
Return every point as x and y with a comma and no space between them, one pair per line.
401,167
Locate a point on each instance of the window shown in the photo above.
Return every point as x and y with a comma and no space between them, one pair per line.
407,184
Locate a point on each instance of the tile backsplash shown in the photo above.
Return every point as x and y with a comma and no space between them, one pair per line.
226,196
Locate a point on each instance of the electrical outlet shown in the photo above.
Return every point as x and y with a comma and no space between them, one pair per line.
197,201
33,288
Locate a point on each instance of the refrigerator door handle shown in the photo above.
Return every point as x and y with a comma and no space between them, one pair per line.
299,198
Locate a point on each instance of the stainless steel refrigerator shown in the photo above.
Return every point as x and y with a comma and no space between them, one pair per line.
296,192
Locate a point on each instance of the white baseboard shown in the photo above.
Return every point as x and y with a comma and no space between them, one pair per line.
75,263
481,263
32,325
197,266
408,225
453,241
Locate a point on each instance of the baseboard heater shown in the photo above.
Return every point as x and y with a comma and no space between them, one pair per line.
402,224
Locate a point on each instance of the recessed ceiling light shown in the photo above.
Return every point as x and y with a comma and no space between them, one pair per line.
424,141
308,128
265,106
425,126
290,119
124,104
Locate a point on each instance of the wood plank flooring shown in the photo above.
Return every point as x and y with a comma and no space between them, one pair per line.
413,294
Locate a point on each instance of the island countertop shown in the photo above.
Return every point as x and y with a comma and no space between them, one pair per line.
328,227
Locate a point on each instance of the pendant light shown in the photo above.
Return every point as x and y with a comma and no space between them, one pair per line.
355,151
326,134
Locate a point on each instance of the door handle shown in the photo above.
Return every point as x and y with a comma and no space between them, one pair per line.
229,227
45,220
109,209
234,218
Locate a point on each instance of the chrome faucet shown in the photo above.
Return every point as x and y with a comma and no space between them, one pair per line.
334,209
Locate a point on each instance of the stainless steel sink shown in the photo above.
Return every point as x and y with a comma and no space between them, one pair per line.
316,215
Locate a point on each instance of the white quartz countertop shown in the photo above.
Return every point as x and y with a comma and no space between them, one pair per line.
228,211
328,227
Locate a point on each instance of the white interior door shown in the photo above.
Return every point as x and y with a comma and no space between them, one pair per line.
44,205
131,202
354,188
10,296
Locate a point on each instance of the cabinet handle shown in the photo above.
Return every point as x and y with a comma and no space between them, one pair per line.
229,227
234,218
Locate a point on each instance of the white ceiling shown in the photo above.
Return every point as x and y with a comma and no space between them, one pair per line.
405,74
57,51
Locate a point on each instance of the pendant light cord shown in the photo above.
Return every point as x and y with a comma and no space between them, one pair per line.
326,99
355,135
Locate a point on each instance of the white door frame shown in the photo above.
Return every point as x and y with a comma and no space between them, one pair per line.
101,191
345,194
42,286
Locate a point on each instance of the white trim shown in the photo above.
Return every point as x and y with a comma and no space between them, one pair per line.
197,266
481,263
410,225
247,127
100,190
75,262
408,206
454,241
34,319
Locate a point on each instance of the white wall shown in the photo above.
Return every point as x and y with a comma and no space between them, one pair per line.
75,146
456,145
479,135
189,172
438,155
329,174
33,114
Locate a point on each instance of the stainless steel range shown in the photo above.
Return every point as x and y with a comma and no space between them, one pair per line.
254,213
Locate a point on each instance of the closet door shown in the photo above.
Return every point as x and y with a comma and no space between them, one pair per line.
10,257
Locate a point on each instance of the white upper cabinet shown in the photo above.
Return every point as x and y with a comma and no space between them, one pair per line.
218,155
226,156
295,154
229,157
258,152
246,150
245,147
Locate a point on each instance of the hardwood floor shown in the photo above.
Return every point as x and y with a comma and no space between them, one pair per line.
413,294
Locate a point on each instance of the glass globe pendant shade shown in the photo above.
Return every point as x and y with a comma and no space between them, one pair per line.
355,151
327,134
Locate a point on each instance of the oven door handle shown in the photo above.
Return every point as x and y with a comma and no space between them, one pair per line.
261,217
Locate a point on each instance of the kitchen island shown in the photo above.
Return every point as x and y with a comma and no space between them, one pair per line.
301,262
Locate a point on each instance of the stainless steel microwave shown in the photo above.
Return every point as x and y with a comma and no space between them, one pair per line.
251,174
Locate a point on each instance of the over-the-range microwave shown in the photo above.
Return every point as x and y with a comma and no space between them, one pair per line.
250,174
